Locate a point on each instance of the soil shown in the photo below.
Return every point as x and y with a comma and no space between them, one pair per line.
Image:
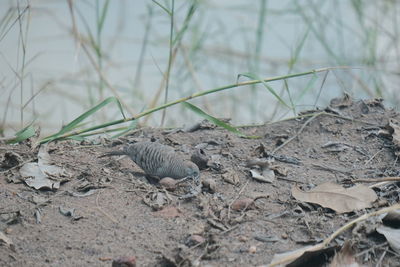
119,212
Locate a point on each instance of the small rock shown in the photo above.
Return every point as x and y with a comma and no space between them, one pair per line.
210,184
168,183
231,177
124,262
241,204
243,238
194,240
252,249
284,236
169,212
196,228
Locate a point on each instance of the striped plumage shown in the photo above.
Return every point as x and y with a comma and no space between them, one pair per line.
159,160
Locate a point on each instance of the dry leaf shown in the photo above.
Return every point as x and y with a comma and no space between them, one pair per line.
334,196
301,256
267,176
392,219
345,257
392,236
37,174
396,132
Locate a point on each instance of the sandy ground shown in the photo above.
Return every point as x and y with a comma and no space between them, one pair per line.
105,208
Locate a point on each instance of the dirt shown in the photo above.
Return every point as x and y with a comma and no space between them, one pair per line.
125,214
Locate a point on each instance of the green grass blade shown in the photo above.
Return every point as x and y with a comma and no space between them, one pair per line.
163,7
103,15
189,16
132,126
270,89
212,119
75,123
23,134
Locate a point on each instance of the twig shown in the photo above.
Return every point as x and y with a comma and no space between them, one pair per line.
369,160
297,134
327,168
372,180
379,263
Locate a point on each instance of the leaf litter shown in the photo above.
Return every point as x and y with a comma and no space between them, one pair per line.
130,215
338,198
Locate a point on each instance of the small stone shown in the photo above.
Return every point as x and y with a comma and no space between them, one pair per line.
124,262
168,183
252,249
210,184
243,238
194,240
231,177
241,204
284,236
196,228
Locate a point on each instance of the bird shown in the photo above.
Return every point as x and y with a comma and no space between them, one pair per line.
159,160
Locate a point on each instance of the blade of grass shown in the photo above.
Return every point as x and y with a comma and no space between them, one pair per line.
23,134
184,99
270,89
75,123
212,119
132,126
171,36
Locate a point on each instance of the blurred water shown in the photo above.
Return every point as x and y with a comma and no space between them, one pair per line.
220,43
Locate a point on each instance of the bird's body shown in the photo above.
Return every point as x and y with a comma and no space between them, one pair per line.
159,160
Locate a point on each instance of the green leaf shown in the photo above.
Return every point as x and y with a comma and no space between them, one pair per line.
212,119
76,123
270,89
23,134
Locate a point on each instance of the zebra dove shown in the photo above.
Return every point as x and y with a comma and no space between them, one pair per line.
159,160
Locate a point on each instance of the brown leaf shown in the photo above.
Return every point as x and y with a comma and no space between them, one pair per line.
334,196
302,256
345,257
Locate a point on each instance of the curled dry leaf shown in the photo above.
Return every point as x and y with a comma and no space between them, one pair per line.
395,131
262,163
334,196
267,176
392,235
392,219
302,256
42,174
